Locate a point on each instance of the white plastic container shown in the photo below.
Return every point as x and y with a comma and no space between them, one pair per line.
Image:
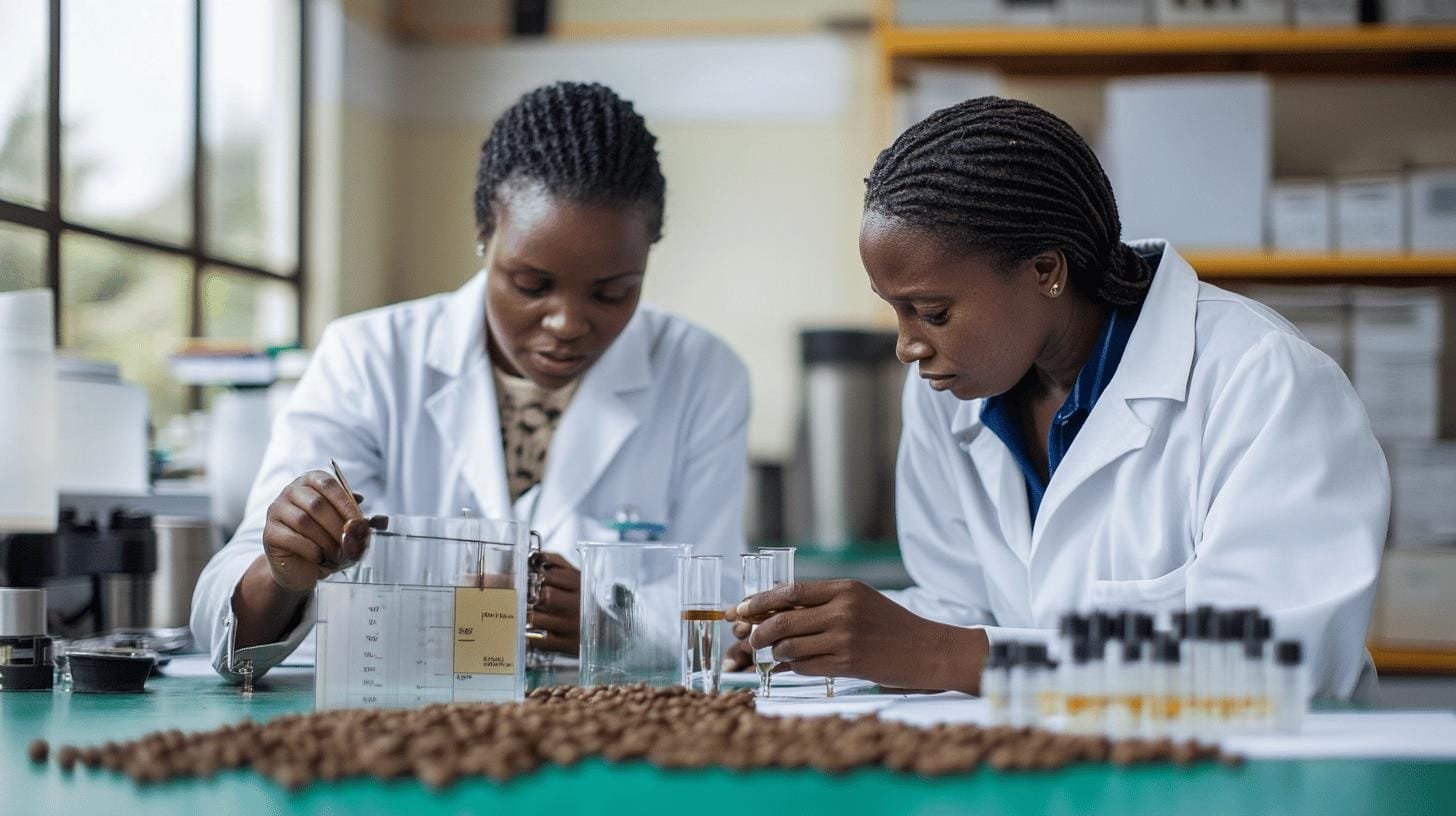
28,469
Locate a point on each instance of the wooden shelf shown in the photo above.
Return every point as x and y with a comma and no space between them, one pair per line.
1389,659
1362,49
1292,265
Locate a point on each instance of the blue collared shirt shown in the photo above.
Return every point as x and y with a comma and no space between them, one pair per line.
998,414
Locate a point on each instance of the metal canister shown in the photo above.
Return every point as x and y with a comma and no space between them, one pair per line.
26,655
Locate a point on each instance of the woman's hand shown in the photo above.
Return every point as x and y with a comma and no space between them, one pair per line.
313,529
558,608
738,657
844,628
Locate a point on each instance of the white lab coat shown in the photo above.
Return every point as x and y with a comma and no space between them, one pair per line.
1228,462
404,400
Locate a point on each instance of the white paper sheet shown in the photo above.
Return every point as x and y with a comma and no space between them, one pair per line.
1373,734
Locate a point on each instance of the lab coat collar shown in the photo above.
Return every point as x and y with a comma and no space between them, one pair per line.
1158,360
602,415
457,337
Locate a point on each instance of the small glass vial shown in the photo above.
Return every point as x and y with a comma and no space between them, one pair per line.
995,684
1086,696
1164,706
1021,697
1289,687
1041,685
1126,686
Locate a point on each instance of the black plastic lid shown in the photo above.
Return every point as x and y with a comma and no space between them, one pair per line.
847,346
1229,627
1081,652
1166,649
1253,650
1288,653
1259,628
1203,623
1137,626
1000,655
1035,654
1072,625
1100,627
1132,650
1181,626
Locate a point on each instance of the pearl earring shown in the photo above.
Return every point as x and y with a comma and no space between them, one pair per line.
1056,289
480,250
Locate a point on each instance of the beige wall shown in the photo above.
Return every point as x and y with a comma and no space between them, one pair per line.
763,202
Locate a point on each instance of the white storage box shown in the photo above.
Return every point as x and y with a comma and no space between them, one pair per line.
1220,12
1189,158
1423,504
1432,209
1419,321
1300,216
1108,12
1415,605
1408,396
1408,12
1321,313
1370,214
947,12
1326,13
1032,13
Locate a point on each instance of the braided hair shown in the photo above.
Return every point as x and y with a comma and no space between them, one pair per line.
577,140
1006,177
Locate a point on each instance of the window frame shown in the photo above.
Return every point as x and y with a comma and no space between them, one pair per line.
50,221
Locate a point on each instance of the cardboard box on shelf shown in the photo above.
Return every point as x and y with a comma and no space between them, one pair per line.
1411,321
1301,212
1189,158
1414,602
1423,501
1432,203
1370,214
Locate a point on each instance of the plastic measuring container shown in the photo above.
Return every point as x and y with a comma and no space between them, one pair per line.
434,612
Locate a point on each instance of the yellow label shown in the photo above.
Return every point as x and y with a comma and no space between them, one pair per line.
486,631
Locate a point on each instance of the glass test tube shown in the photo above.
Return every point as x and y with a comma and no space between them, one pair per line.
783,575
1021,701
758,577
1086,699
701,580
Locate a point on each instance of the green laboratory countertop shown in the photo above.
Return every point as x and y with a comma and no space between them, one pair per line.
1313,787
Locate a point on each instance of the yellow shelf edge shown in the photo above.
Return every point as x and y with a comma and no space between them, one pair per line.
1280,264
1007,42
1388,658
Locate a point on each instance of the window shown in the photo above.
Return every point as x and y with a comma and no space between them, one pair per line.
151,173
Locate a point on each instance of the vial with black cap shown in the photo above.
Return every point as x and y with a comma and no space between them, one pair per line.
995,682
1289,686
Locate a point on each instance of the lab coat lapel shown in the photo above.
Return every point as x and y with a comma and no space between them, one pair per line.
464,408
1000,474
603,414
1155,366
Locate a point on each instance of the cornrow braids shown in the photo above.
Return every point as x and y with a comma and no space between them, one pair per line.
1006,177
577,140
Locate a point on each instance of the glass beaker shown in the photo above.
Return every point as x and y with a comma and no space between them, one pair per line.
631,605
702,618
433,612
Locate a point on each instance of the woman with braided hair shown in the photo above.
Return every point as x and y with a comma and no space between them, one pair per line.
539,391
1086,426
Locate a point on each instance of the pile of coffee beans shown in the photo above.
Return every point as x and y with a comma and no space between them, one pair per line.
668,727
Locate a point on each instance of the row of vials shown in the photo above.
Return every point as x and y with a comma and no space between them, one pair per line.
1210,673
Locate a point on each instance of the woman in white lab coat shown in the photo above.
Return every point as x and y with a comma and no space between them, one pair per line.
539,391
1086,425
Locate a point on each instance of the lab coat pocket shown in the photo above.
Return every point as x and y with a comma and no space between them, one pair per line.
1144,593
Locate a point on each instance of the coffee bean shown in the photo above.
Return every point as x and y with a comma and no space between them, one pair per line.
38,751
